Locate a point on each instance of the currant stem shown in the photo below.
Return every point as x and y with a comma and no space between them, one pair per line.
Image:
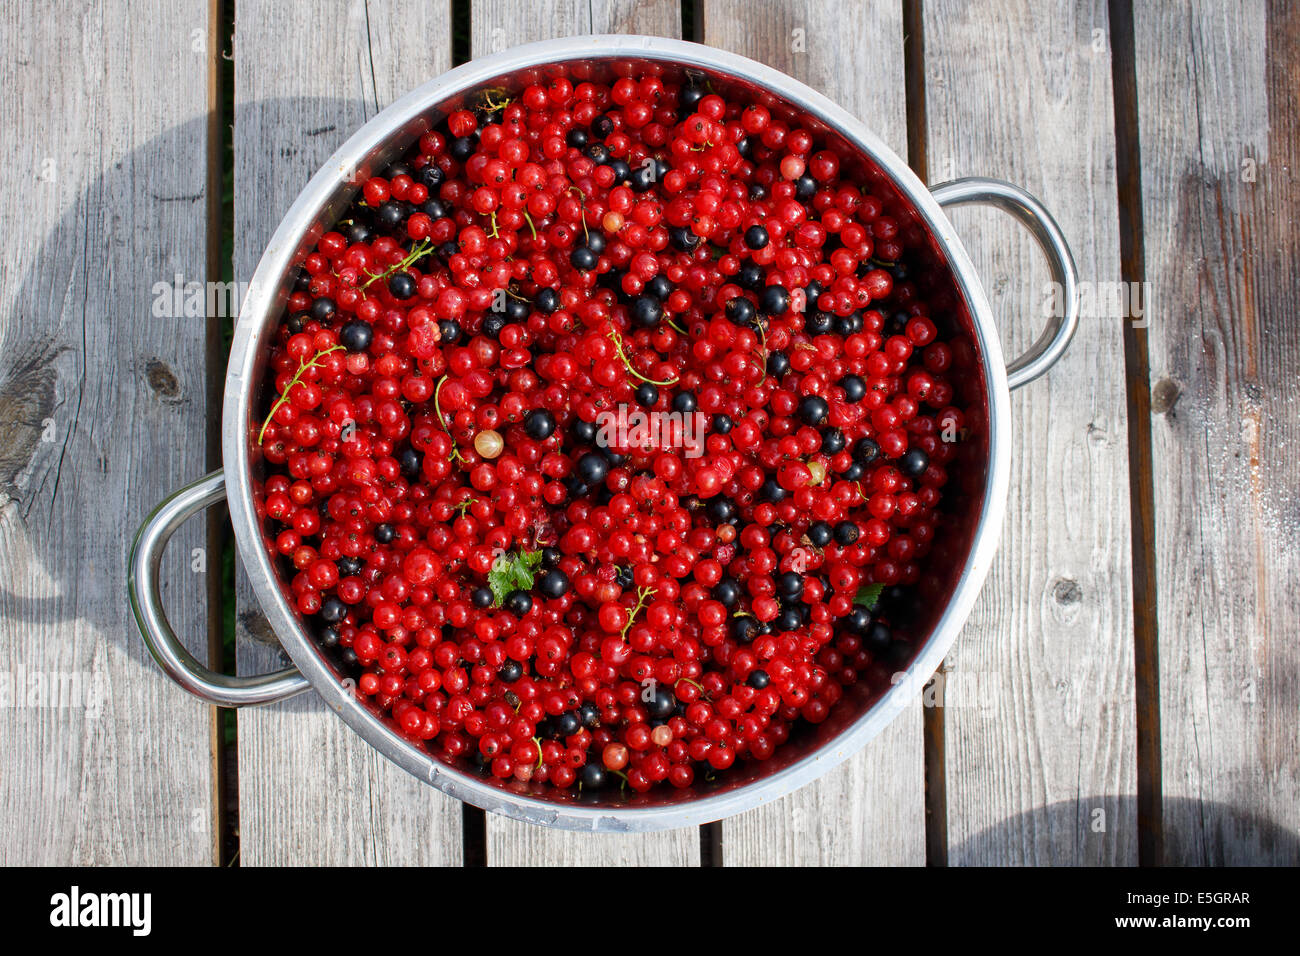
617,339
455,452
696,684
492,105
582,204
641,595
763,354
297,377
437,391
418,252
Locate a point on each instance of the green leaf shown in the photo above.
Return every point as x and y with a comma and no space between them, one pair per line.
513,572
869,595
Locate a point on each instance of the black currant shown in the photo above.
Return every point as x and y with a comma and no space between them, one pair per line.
813,409
914,462
511,671
855,389
553,584
833,441
592,468
323,309
401,285
539,424
518,603
774,300
332,610
647,395
865,450
356,335
547,301
647,311
756,237
740,310
819,534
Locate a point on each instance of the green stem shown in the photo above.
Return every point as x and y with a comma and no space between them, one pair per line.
297,377
418,252
582,205
455,452
641,595
617,339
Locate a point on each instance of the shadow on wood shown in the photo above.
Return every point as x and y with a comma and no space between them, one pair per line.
63,441
1234,834
95,375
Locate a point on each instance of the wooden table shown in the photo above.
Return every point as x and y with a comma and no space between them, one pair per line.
1126,690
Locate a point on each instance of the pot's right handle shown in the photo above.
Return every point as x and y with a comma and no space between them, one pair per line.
1051,345
146,602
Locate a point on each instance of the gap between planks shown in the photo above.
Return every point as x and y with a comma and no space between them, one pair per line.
1128,175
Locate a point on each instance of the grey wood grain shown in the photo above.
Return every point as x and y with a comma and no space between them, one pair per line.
1218,128
312,791
1040,740
494,27
872,809
102,412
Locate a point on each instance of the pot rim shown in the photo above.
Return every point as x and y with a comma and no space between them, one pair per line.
263,300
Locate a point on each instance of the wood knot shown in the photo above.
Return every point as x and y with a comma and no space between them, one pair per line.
252,624
1163,396
162,380
1066,591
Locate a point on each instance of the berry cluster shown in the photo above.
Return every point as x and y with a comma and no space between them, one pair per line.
516,586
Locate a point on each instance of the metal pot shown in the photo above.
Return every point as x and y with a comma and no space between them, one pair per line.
957,565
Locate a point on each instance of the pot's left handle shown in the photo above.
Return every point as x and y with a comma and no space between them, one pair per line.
146,603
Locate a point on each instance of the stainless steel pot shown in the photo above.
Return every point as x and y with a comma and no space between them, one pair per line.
957,566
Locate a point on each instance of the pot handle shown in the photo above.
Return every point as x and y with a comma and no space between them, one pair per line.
1051,345
146,603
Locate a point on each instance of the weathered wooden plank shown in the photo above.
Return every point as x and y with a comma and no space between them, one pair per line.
494,27
102,413
1039,727
311,791
871,810
1218,138
497,26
